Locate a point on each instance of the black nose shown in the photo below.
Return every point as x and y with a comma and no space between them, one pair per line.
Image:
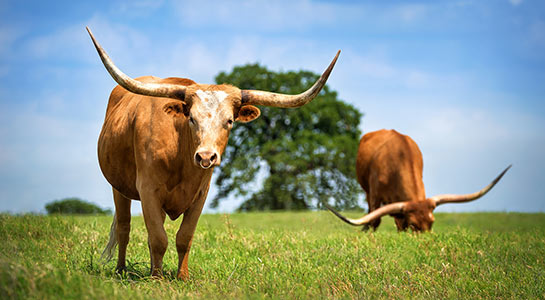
205,159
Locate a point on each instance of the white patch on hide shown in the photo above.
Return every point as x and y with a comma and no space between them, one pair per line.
209,123
211,99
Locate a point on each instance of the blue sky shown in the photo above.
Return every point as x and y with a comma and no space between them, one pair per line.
464,79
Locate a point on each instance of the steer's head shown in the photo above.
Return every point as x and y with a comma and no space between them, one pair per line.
211,110
416,214
210,117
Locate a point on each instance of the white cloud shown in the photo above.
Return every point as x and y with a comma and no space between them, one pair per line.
372,67
48,137
48,145
46,158
465,147
201,59
358,70
515,2
262,14
279,16
73,42
465,142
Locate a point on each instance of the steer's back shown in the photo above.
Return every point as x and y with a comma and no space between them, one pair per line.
129,118
389,167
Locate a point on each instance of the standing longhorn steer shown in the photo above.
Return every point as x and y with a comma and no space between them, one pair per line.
159,143
389,169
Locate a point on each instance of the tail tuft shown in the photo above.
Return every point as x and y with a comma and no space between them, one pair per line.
108,252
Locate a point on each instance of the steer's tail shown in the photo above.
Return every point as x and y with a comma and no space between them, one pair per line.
108,252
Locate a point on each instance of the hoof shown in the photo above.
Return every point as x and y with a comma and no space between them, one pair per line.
157,274
184,276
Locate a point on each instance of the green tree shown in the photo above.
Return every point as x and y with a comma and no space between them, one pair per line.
302,156
75,206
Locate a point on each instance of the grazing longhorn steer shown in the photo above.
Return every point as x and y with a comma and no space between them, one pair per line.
389,169
159,143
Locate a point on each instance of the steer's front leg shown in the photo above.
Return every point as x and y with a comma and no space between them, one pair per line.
184,236
154,217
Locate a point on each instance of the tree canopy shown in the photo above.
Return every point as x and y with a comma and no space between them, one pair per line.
75,206
290,158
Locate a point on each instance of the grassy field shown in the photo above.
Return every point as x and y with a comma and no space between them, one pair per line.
281,255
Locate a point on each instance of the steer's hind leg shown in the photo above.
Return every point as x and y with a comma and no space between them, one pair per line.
123,227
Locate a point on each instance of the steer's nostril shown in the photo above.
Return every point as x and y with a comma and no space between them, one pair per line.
205,159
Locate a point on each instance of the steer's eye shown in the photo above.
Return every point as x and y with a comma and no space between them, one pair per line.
191,120
230,122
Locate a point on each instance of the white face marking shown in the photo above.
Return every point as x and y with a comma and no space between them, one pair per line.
208,115
431,216
211,99
210,106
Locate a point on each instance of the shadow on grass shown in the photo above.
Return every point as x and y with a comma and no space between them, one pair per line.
135,272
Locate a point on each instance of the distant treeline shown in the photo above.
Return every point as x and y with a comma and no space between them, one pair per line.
75,206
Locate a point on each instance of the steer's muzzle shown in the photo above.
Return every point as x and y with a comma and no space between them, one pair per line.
206,159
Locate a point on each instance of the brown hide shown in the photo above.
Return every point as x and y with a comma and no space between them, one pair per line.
389,169
147,139
159,143
146,152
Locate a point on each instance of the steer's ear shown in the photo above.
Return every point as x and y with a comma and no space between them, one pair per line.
177,108
248,113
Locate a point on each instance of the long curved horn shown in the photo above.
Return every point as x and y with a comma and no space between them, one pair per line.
281,100
393,208
135,86
451,198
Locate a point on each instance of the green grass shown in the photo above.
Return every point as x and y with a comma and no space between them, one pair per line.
281,255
